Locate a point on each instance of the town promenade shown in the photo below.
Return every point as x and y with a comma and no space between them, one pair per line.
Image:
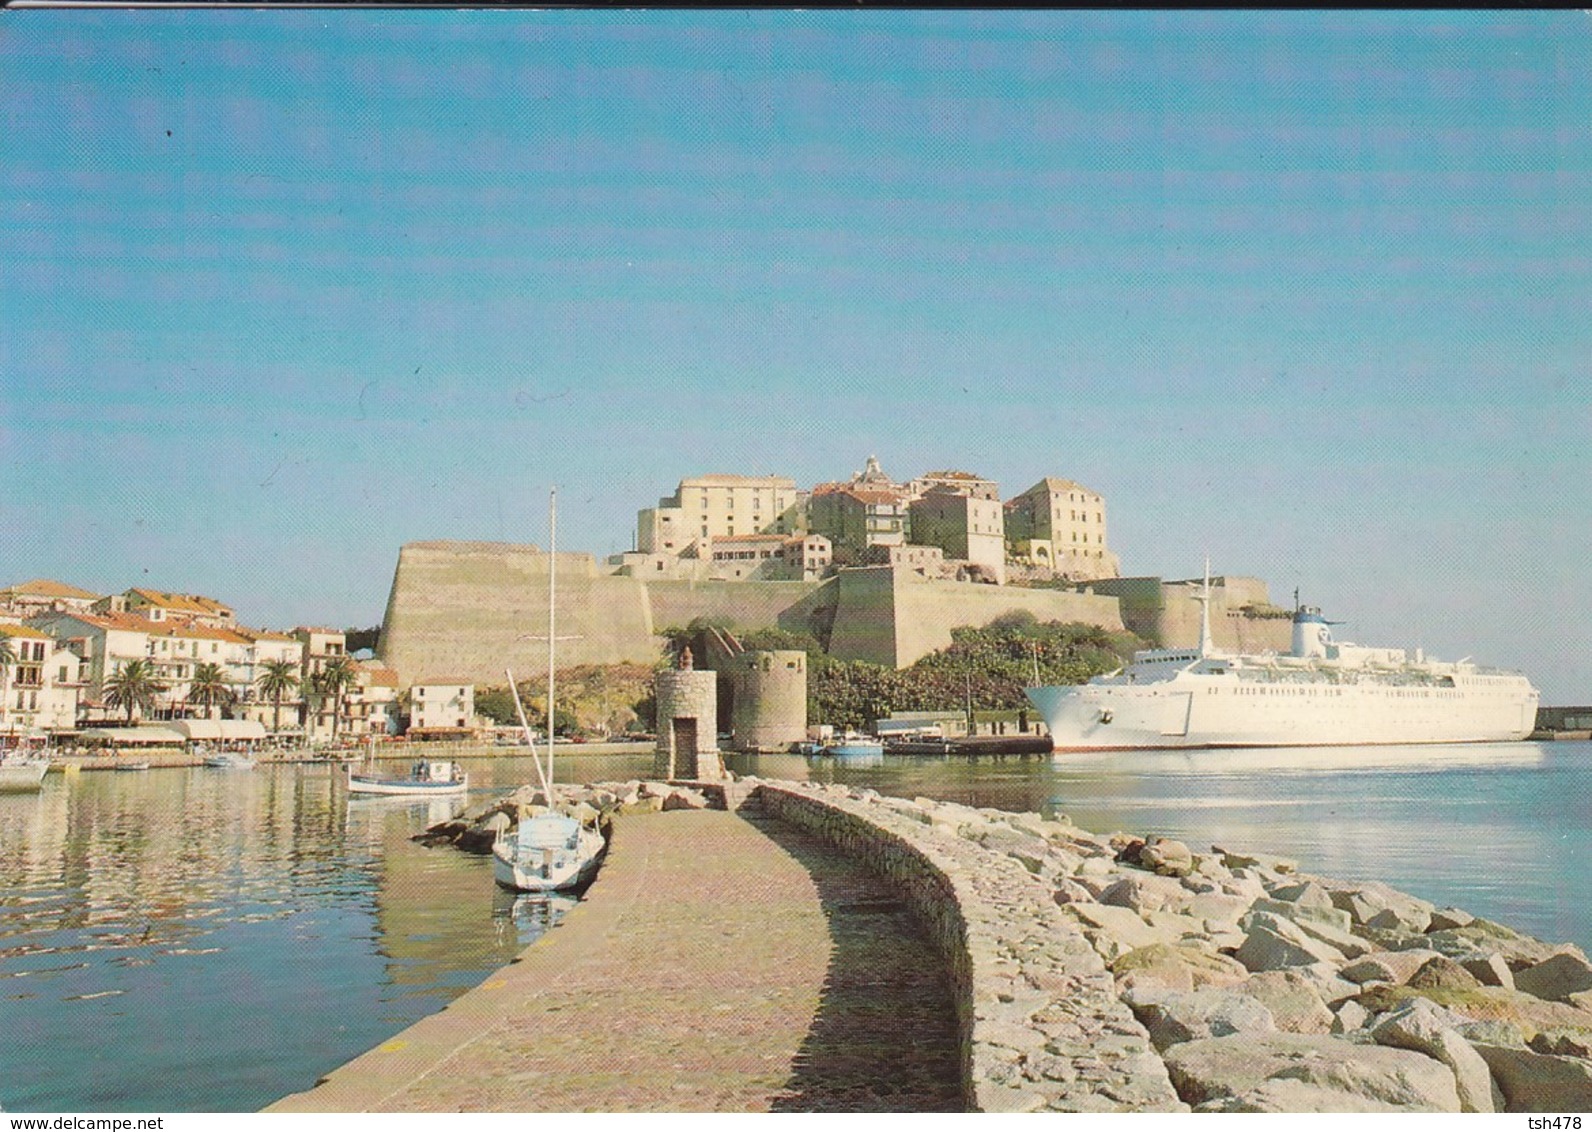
721,962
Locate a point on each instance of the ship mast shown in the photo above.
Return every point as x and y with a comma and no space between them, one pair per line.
1204,599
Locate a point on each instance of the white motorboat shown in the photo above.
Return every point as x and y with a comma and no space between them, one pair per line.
229,760
547,852
21,775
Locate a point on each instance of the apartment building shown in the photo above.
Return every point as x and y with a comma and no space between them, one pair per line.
42,595
440,704
962,515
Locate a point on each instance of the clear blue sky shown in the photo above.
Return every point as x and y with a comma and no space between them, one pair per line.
281,291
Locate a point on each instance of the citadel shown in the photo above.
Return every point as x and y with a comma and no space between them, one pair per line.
874,569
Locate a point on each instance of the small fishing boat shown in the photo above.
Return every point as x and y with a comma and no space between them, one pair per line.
133,764
853,745
547,852
22,775
424,778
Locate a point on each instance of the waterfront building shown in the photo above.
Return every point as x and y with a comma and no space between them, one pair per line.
375,704
103,642
321,646
1061,525
42,595
259,648
720,506
962,515
39,689
177,648
441,704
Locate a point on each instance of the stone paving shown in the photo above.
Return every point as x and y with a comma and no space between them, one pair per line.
721,962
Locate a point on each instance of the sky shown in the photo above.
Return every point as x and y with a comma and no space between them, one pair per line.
1308,292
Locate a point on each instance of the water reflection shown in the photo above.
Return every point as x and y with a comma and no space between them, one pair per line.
190,939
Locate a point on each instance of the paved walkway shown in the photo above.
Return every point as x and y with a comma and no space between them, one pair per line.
721,962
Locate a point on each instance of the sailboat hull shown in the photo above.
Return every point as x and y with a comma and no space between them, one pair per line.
547,870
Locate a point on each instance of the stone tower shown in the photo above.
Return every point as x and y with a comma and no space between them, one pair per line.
688,707
770,705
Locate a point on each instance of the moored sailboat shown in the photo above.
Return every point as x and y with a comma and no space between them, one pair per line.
548,852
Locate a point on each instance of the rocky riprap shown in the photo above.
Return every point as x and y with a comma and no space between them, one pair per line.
1126,973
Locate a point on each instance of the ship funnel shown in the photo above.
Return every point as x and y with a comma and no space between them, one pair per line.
1311,636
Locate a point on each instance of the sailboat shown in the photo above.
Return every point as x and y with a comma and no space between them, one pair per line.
550,852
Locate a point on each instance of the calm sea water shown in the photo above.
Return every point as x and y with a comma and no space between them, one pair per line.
208,940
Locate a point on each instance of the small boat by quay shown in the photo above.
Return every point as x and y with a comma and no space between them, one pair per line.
132,764
425,778
229,760
22,775
853,745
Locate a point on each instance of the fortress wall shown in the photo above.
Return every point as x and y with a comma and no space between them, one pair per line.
865,615
926,611
463,608
894,617
742,605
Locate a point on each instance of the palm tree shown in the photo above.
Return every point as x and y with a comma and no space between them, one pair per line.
133,686
209,685
334,680
278,679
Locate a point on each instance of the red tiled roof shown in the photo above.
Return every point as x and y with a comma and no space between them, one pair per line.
23,631
184,603
44,587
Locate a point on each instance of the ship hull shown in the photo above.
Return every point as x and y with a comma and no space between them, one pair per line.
1193,712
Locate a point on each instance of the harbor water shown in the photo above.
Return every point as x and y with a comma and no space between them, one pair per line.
205,940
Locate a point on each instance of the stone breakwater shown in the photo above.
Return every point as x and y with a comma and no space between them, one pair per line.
1122,973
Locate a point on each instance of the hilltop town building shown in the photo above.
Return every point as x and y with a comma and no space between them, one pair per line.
964,518
1061,525
720,506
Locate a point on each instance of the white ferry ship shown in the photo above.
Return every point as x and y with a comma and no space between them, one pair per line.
1321,693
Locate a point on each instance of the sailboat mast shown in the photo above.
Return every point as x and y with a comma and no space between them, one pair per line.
552,628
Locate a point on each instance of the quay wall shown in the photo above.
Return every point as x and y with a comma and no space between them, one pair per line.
1008,950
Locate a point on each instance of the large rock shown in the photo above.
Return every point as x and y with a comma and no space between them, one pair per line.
1274,942
1176,967
1310,914
1113,931
1387,966
1540,1082
1227,1074
1483,937
1295,1005
1529,1015
1556,979
1442,973
1147,893
1219,910
1426,1028
1166,857
1181,1016
1233,860
1490,970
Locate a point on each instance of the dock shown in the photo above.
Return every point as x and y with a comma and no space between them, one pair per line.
723,961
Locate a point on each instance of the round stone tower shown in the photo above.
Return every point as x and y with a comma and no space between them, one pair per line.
688,708
770,705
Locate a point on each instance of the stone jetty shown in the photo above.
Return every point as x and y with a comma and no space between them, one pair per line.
1122,972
